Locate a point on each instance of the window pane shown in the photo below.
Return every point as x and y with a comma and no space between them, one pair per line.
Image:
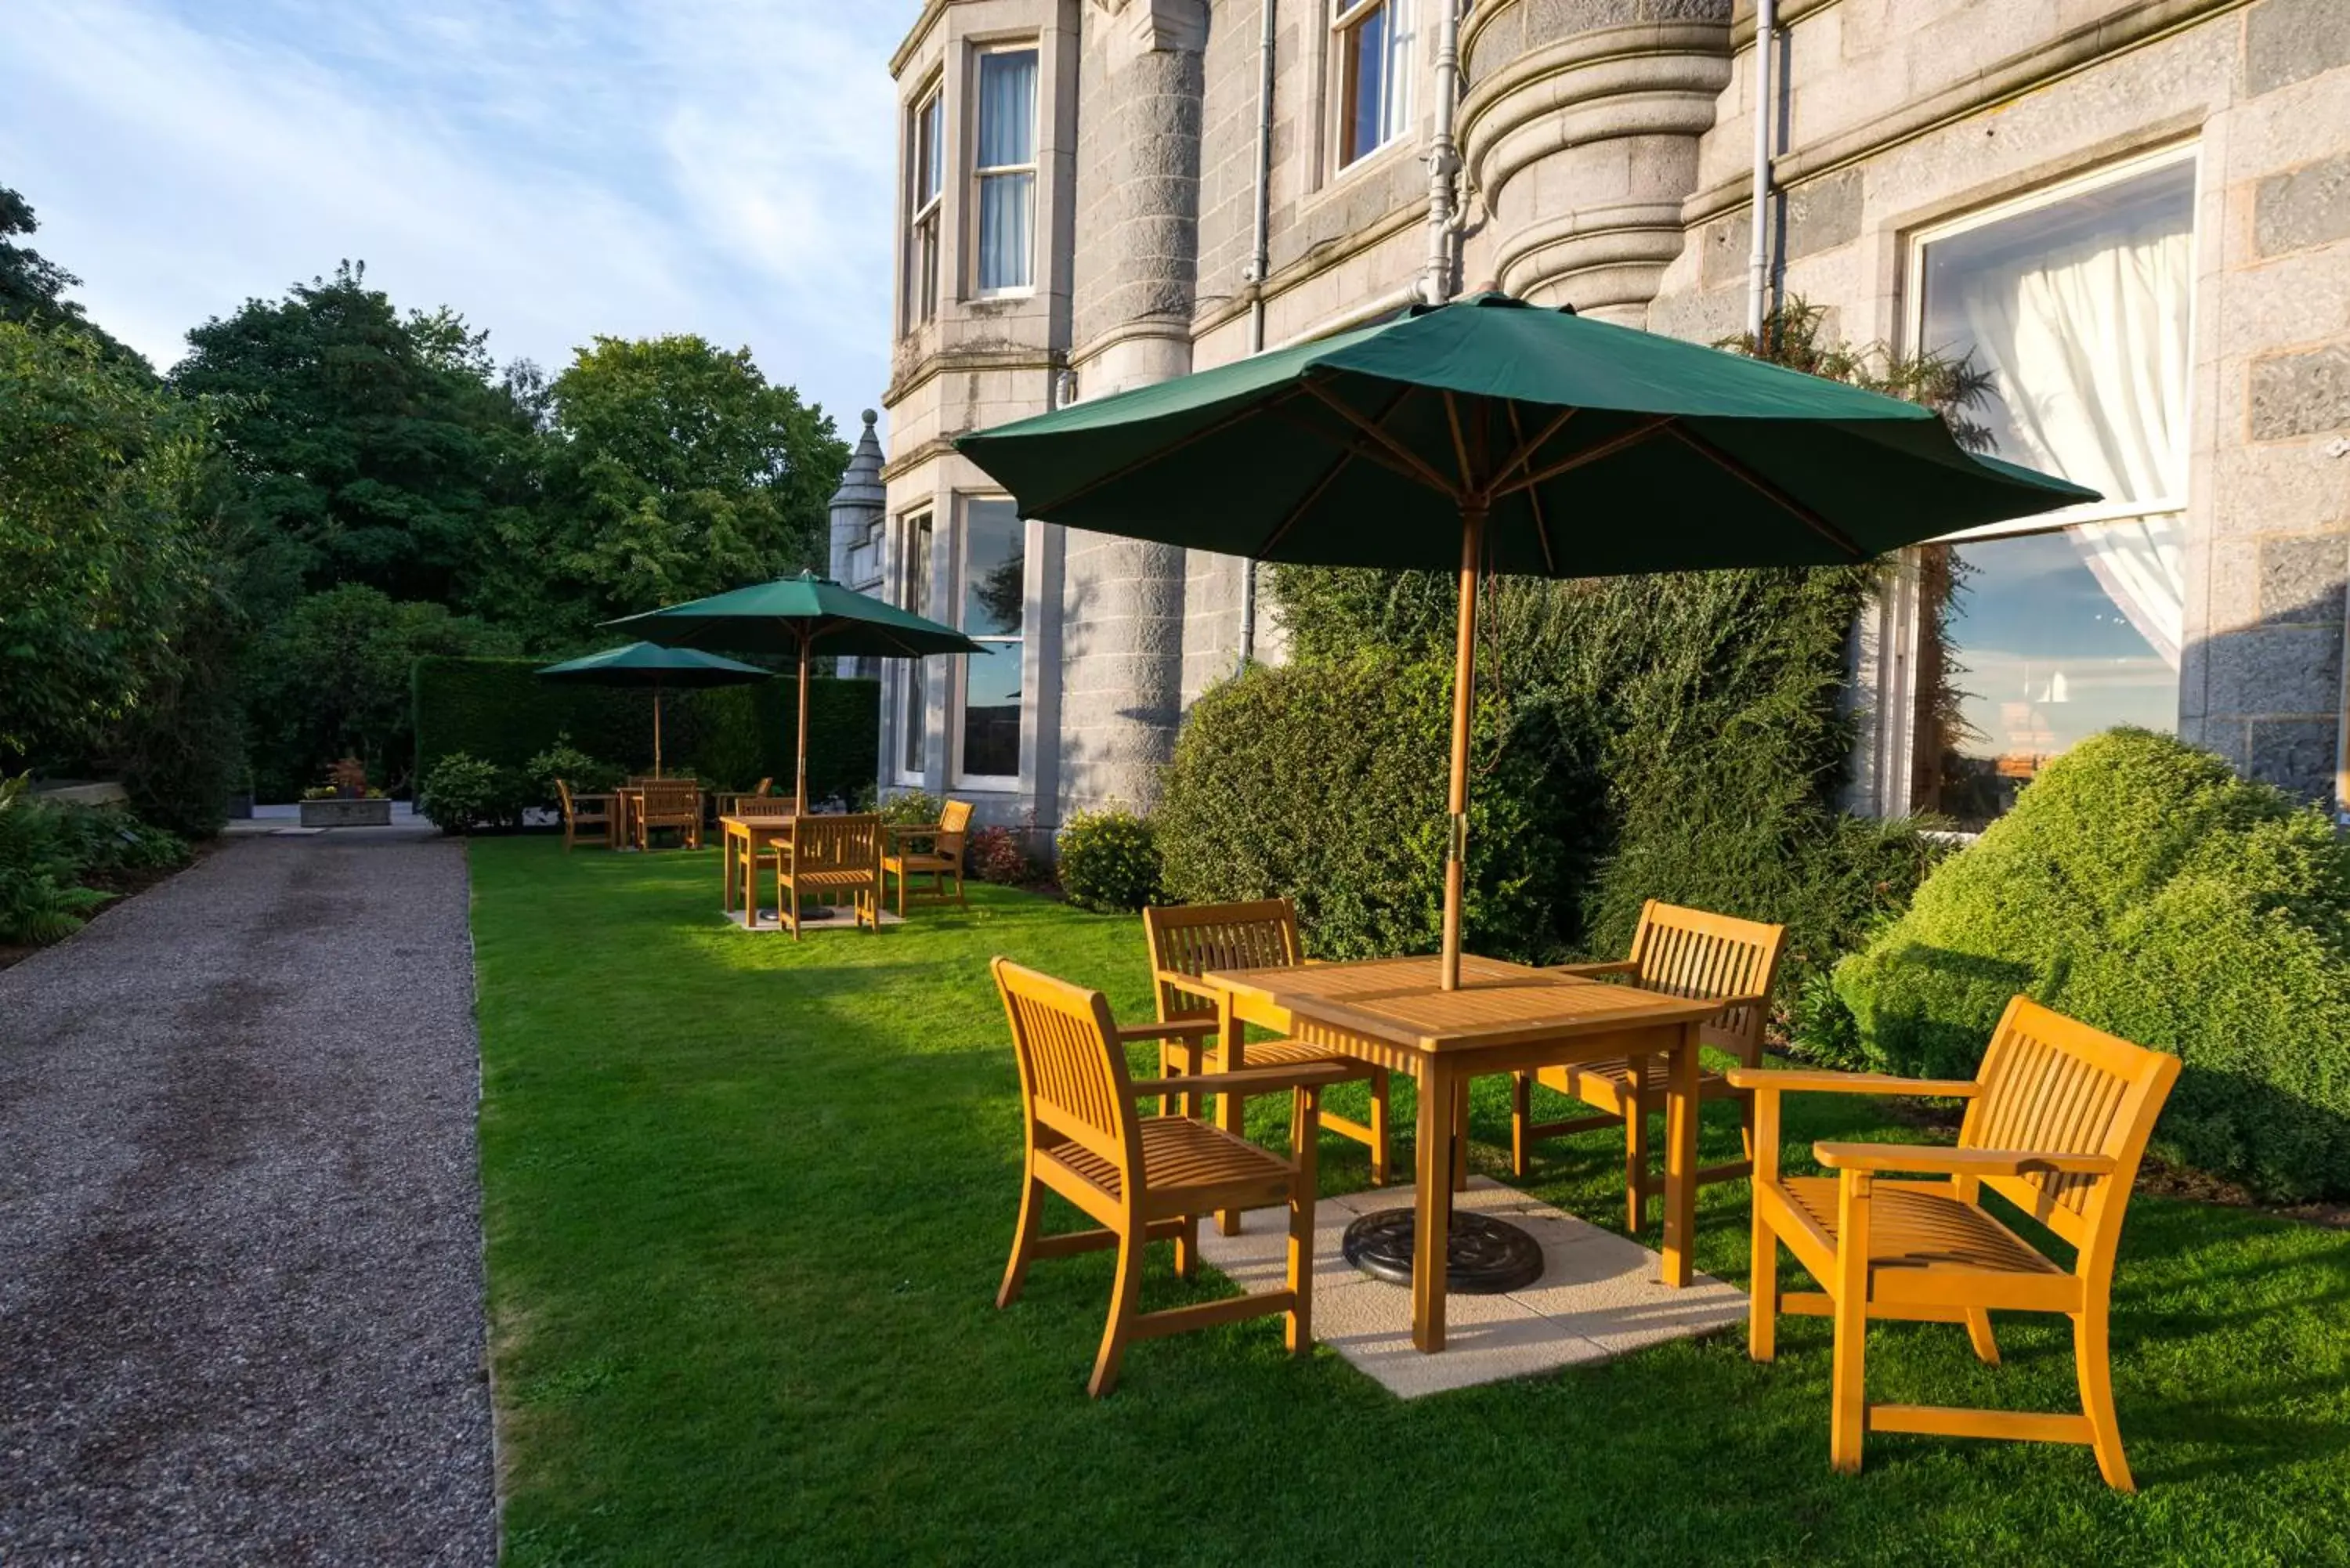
2079,310
993,584
930,153
991,713
914,717
1007,109
2028,645
1364,65
1005,245
1395,81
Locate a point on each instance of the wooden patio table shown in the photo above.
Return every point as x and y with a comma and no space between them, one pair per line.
740,835
1506,1017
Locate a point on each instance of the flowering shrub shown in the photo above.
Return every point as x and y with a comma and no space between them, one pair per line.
999,854
1109,861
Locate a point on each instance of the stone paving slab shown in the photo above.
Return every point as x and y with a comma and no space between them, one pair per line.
241,1287
1599,1295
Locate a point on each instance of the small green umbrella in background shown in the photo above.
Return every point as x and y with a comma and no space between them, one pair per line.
1494,436
647,664
802,616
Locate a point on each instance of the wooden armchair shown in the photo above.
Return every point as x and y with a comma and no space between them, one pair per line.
943,859
672,805
598,812
1187,940
827,856
1682,952
1143,1178
736,803
2057,1118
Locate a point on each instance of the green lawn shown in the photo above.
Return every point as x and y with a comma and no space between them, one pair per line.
748,1203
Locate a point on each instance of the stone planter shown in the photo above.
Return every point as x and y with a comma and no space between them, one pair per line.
347,813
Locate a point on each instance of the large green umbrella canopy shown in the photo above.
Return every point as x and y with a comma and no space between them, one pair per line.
1490,435
648,664
802,616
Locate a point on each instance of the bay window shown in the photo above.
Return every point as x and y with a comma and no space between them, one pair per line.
1371,45
1004,171
994,588
926,166
2033,635
913,688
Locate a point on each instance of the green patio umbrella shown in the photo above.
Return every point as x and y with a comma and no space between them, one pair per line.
647,664
1494,436
800,616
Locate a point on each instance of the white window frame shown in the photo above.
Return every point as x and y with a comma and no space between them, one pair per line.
916,564
1900,602
981,173
924,241
2032,201
1397,77
960,686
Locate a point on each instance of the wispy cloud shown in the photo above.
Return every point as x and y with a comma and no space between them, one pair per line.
553,170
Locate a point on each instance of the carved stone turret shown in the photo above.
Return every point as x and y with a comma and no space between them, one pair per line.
856,507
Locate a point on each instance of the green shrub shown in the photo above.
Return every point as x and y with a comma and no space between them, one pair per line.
500,711
999,854
462,793
2141,886
1109,861
1324,781
911,808
49,854
575,767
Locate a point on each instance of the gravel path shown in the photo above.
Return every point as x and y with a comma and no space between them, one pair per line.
241,1287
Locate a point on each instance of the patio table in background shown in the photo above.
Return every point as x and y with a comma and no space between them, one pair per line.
1504,1017
739,833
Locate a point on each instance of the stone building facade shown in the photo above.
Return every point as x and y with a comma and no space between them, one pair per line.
2135,214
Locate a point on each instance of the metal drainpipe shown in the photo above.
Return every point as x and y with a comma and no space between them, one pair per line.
1260,263
1443,159
1758,260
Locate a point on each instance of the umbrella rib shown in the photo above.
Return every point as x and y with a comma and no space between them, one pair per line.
1215,427
1590,454
1527,449
1533,497
1370,428
1459,447
1361,448
1803,514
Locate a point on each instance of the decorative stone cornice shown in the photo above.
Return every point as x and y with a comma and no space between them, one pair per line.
1153,27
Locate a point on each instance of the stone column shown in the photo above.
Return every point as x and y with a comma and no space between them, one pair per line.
1135,279
1580,126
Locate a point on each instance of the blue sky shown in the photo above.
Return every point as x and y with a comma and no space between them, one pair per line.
554,169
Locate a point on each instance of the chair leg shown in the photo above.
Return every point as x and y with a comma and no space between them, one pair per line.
2092,1355
1187,1249
1522,1096
1379,1128
1123,1298
1979,1332
1023,1241
1636,1158
1847,1397
1763,1291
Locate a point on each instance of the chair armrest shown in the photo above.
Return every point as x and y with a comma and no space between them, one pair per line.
1937,1160
1184,981
1248,1080
1823,1082
1173,1029
914,829
1599,970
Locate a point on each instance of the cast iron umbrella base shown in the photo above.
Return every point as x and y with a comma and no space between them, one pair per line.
1483,1256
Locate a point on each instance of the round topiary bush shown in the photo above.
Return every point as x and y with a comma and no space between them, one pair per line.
2141,886
1109,861
461,793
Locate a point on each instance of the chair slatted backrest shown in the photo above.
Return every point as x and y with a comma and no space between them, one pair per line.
834,843
2053,1084
1074,1080
954,826
1194,937
668,802
1695,953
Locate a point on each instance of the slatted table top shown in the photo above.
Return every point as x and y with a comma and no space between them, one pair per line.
1401,1001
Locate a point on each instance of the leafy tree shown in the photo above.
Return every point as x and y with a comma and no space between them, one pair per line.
677,470
369,447
101,566
331,679
31,286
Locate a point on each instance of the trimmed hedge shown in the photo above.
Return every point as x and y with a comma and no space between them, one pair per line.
499,710
2140,886
1324,782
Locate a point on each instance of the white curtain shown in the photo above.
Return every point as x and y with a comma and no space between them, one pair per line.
2089,343
1007,138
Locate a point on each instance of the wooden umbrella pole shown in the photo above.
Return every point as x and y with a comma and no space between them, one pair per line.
1464,695
657,760
800,795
